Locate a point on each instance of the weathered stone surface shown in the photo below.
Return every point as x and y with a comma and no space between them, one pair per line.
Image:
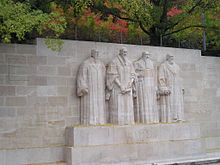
64,91
46,70
7,48
40,60
57,81
56,60
21,70
16,80
109,135
31,156
135,153
26,49
6,125
7,91
2,58
25,91
2,101
212,143
7,112
64,71
37,81
37,101
218,92
57,101
18,49
46,91
3,69
16,101
13,59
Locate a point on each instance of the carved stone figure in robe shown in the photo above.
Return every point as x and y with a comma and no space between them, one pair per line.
91,90
171,91
120,81
146,88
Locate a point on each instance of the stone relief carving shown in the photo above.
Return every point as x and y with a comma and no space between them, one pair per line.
120,80
146,88
131,90
171,91
91,90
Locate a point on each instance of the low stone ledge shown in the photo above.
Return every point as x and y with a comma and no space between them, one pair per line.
123,134
148,152
131,143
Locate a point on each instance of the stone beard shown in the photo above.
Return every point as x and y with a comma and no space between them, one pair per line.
120,79
91,90
171,92
146,102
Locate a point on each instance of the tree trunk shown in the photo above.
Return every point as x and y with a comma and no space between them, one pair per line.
155,40
154,36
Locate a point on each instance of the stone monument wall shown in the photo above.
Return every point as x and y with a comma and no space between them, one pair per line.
38,96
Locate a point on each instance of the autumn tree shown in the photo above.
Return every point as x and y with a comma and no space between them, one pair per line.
157,18
20,19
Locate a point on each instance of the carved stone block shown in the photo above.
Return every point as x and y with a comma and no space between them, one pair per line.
124,143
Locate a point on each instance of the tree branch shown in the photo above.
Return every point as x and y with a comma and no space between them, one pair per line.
113,11
173,25
188,12
194,7
143,28
125,18
103,8
164,14
187,27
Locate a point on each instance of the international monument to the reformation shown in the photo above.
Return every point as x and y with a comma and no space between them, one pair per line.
100,103
135,92
126,82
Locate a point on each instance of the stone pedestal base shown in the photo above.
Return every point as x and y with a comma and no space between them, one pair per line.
131,143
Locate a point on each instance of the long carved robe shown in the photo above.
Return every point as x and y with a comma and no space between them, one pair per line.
120,105
146,85
172,106
91,77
